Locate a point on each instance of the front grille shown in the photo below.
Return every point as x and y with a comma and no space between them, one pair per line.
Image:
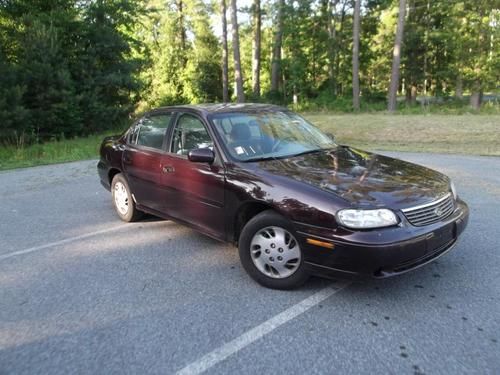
430,213
416,263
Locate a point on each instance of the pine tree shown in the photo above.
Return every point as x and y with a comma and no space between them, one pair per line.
355,56
225,56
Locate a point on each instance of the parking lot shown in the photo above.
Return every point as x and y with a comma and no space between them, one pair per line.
83,292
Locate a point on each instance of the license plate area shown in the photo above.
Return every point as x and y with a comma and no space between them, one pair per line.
441,236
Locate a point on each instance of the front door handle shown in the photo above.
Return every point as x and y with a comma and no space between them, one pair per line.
168,169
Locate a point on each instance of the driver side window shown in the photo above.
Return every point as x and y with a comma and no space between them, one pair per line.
189,134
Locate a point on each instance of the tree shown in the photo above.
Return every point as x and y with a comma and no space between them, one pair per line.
181,70
36,54
108,71
160,32
303,49
331,29
396,58
72,63
337,46
414,55
180,13
257,20
355,56
480,57
77,67
225,63
278,41
202,75
238,74
13,115
50,90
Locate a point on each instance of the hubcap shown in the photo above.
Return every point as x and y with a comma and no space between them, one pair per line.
275,252
121,198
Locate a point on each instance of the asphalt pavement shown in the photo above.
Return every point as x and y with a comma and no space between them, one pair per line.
82,292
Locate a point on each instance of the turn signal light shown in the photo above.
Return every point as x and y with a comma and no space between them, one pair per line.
328,245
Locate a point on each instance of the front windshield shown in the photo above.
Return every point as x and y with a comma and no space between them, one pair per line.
269,134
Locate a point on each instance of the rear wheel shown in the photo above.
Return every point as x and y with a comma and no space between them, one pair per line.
123,201
270,253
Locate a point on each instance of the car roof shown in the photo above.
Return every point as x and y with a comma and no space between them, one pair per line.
225,107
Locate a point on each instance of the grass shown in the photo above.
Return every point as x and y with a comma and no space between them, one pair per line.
456,134
50,152
460,134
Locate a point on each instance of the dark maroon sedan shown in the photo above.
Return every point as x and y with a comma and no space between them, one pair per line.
295,202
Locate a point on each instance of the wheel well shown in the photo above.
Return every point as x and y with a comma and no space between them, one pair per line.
112,173
245,214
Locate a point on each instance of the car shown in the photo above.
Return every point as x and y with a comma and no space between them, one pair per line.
294,201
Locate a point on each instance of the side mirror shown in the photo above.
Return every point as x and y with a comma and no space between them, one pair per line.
201,155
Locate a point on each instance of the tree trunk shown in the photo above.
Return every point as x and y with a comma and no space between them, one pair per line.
225,63
396,58
339,42
413,94
256,49
182,28
476,95
332,42
427,77
278,39
355,56
238,76
459,88
180,7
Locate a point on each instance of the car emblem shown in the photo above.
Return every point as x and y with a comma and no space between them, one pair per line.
438,211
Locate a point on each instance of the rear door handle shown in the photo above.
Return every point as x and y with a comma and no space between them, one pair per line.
168,169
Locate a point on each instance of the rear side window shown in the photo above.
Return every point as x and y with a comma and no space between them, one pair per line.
189,134
151,130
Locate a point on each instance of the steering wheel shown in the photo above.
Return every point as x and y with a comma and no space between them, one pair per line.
280,141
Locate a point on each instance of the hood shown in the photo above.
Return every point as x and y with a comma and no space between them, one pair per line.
363,178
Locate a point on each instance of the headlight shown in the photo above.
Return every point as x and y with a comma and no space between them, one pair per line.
366,219
453,190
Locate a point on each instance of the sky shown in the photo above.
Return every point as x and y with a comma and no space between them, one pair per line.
242,18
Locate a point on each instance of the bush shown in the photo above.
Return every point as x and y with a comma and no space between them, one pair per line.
377,102
339,104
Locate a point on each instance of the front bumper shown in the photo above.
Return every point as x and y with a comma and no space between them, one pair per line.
383,252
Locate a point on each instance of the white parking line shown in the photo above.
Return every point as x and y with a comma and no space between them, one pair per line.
218,355
65,241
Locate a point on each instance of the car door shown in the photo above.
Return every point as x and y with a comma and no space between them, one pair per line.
195,191
142,158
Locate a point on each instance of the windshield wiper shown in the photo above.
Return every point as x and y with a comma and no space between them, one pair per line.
263,158
306,152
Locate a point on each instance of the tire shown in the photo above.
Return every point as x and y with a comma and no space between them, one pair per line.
122,200
270,253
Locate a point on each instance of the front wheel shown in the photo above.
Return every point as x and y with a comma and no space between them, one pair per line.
123,201
270,252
